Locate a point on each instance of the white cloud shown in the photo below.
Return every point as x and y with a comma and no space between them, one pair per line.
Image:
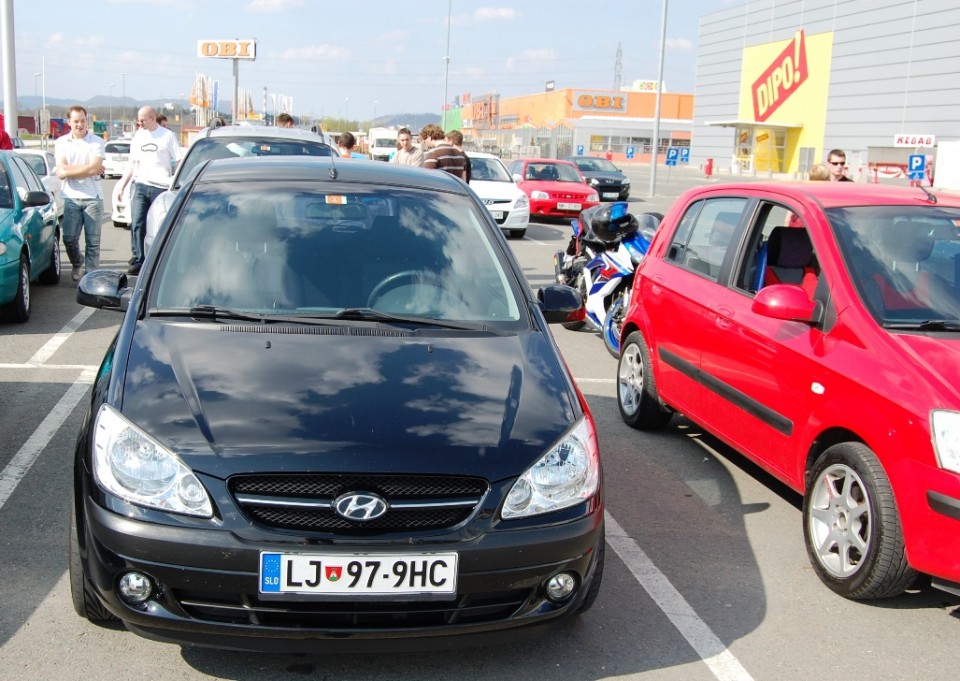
274,5
679,44
496,14
543,54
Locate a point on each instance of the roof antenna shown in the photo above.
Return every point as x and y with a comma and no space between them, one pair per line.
930,195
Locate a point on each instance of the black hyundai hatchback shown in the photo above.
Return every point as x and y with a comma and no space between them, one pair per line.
333,418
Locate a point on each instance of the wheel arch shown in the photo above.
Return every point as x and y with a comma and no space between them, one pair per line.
823,442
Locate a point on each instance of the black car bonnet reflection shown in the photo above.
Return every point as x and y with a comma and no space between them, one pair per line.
398,403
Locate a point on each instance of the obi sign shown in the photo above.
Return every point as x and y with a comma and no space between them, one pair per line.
591,101
227,49
781,79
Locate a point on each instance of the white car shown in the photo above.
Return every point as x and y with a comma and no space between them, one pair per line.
499,192
120,213
116,156
44,165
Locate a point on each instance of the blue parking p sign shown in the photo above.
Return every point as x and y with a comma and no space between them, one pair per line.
672,155
917,166
579,150
684,154
630,152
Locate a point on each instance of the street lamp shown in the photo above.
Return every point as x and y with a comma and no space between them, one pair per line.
374,121
346,115
123,101
36,119
110,125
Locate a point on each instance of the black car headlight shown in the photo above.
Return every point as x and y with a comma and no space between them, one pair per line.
133,466
567,475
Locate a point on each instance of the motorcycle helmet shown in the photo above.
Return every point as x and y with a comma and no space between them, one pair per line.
608,223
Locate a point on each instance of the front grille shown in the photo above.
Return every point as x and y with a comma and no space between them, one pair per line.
354,615
304,502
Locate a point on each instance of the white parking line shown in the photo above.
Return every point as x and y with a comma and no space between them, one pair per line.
701,638
21,462
52,345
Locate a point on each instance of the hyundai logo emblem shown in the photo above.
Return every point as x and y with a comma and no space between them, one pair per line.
489,202
360,506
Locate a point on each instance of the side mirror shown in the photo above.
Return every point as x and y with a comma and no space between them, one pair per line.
788,302
35,198
561,304
104,289
517,177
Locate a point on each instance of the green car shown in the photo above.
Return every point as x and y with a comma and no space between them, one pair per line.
29,237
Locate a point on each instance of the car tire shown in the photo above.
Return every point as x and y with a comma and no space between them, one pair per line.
18,309
580,284
85,602
637,396
851,526
51,275
517,233
596,580
118,224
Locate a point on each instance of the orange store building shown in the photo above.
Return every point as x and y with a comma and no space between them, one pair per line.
576,121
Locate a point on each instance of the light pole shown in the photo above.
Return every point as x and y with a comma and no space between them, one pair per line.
446,71
346,114
110,125
123,101
36,119
374,121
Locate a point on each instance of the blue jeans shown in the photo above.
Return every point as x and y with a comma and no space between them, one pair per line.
141,198
82,214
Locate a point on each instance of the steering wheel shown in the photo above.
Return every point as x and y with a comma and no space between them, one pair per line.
403,278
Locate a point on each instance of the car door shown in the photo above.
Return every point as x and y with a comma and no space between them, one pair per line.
39,222
676,291
760,373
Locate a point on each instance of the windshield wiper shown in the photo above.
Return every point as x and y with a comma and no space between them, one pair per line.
927,325
208,311
370,314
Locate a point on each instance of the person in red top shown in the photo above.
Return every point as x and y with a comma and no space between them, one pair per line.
5,141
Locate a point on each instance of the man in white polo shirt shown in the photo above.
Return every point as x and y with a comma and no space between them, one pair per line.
79,155
153,154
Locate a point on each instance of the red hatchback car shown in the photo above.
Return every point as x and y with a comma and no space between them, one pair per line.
816,329
555,188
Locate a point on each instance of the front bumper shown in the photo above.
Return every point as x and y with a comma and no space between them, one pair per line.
929,507
208,586
549,208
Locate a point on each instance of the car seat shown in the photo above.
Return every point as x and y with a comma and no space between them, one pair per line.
903,284
790,259
550,173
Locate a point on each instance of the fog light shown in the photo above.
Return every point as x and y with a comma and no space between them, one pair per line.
135,588
560,587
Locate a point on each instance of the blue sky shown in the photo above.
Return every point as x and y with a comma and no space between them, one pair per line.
352,59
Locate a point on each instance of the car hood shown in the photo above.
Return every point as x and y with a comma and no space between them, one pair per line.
603,175
557,187
238,400
938,356
502,191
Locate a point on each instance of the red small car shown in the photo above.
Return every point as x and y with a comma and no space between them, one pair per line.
816,329
556,188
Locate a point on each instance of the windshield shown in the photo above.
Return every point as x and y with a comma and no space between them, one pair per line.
595,165
237,147
904,260
384,142
117,148
317,250
488,170
553,172
36,163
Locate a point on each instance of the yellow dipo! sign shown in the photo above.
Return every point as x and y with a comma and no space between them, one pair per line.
227,49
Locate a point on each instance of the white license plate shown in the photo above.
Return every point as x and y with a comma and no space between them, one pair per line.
364,574
610,195
497,214
118,157
568,206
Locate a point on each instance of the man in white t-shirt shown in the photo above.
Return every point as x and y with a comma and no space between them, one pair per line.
79,156
153,155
